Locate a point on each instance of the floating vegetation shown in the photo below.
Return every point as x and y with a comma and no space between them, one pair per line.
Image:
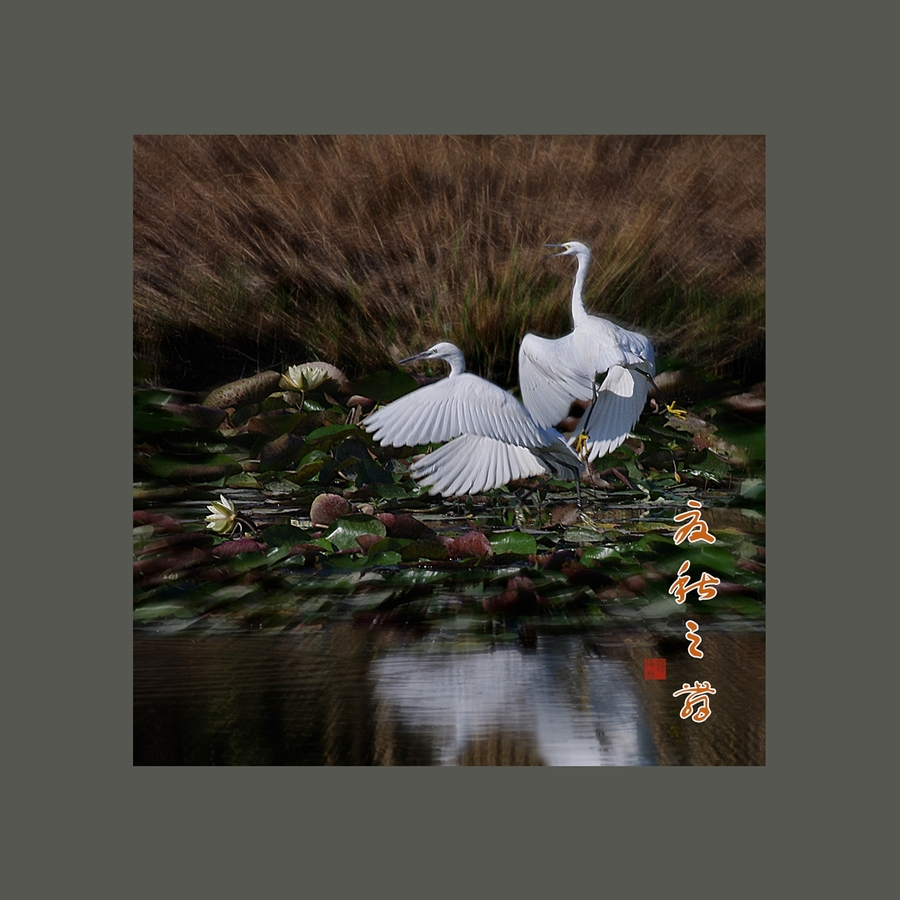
266,505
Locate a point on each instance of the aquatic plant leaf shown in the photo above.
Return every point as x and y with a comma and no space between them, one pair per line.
384,544
254,559
243,480
285,535
353,461
275,423
704,558
735,603
281,452
155,421
749,438
582,535
515,542
385,558
653,542
753,489
345,530
346,562
322,544
305,471
417,576
326,437
594,555
423,548
394,491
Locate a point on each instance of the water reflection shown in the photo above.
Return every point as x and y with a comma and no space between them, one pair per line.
567,708
348,695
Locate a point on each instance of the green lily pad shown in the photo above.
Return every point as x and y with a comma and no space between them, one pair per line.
327,437
704,558
285,536
515,542
385,558
243,480
344,531
582,535
749,438
305,471
594,555
275,424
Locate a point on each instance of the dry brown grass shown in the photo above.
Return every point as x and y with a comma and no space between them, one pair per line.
259,251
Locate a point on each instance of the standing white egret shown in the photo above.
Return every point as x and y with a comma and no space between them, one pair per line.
492,438
555,372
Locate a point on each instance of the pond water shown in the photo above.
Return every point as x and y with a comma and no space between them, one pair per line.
354,695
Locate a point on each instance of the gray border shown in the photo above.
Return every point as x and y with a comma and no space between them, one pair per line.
639,75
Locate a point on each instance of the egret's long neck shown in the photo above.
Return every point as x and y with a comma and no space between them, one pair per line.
579,313
457,363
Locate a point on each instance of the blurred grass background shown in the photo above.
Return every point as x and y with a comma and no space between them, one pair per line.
255,252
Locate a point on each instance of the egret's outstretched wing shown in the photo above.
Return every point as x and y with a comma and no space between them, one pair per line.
618,405
462,404
472,463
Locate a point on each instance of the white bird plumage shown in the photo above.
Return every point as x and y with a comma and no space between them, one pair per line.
555,372
492,438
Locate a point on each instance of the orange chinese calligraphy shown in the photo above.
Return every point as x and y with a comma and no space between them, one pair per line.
696,703
693,638
695,529
705,586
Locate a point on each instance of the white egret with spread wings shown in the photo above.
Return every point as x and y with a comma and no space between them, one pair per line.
492,439
555,372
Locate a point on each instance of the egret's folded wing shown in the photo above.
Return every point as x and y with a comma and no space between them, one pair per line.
554,372
641,350
551,376
618,405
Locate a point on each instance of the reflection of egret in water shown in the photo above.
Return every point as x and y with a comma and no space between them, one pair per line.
577,710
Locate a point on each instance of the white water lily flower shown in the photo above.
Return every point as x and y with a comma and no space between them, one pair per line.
223,517
303,378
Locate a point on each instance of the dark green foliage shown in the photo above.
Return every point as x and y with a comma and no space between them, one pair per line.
617,555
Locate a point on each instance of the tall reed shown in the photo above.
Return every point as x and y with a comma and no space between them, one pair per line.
257,251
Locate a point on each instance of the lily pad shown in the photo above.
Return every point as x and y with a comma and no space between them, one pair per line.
345,530
705,558
285,536
582,535
514,542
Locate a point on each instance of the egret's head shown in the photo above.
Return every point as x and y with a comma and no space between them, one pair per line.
570,248
443,350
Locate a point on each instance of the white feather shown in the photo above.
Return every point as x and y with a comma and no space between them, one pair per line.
493,439
555,372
